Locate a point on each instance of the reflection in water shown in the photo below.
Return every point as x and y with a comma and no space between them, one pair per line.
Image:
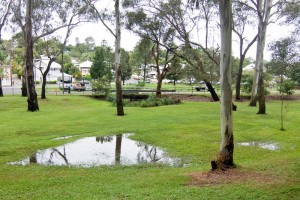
95,151
264,145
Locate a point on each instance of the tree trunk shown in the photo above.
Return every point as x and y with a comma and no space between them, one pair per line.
261,41
239,79
43,93
1,90
23,87
45,73
158,87
31,93
225,156
119,97
211,90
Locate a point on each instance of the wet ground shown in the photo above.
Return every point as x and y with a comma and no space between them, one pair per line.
96,151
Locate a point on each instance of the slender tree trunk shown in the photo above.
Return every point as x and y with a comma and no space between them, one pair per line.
211,90
45,73
225,157
119,97
239,79
31,93
1,90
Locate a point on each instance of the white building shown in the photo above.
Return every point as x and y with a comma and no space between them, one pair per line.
41,65
85,68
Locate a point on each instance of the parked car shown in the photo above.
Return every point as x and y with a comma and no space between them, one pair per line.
202,87
78,87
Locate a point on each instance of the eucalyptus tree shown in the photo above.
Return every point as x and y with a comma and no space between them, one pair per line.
126,69
225,156
105,19
284,57
142,56
5,10
149,25
42,19
292,13
242,17
179,18
266,11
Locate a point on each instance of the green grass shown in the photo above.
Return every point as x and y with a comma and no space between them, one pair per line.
189,130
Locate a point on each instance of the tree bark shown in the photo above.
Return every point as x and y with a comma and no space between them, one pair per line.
158,87
239,79
211,90
119,97
225,156
43,93
31,93
1,90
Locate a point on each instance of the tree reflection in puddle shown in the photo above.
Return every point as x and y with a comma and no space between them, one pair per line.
96,151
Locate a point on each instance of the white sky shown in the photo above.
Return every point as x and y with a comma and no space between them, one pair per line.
129,40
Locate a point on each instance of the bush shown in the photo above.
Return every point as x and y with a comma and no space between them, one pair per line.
101,86
287,88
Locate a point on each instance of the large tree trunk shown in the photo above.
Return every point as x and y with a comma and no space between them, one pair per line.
119,97
158,86
225,157
31,93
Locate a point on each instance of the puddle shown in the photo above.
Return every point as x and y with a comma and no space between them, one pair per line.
63,137
265,145
96,151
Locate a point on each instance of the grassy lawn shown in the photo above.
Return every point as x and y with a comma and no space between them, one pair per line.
189,130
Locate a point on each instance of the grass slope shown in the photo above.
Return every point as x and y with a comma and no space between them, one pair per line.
189,130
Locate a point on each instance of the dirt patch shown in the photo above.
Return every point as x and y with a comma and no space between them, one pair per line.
218,177
201,98
190,97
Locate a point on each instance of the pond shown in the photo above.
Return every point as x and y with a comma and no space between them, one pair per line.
102,150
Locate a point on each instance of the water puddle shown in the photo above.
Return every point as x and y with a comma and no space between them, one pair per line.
96,151
265,145
63,137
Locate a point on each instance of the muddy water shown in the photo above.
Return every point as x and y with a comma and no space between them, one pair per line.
96,151
265,145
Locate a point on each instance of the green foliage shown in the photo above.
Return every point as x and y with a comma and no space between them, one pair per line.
247,82
153,101
140,84
287,88
100,68
101,86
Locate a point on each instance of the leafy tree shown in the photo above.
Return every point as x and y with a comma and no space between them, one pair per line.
284,56
101,15
5,10
142,55
40,21
150,25
126,69
99,68
225,156
242,17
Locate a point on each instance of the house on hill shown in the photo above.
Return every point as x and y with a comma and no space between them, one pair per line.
85,68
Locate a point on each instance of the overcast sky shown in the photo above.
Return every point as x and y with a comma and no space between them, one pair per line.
129,40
